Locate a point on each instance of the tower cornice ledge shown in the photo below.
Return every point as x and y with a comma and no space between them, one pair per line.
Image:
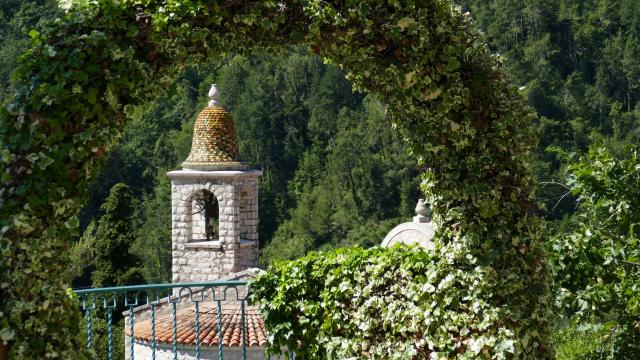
201,174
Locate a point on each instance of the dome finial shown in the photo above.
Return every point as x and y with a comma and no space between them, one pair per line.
214,95
423,212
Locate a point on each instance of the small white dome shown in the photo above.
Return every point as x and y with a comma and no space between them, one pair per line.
420,231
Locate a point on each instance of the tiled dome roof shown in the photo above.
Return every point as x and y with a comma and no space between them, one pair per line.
214,145
230,321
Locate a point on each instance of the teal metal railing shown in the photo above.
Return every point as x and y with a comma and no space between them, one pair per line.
125,304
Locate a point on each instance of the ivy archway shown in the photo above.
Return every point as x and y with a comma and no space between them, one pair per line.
425,59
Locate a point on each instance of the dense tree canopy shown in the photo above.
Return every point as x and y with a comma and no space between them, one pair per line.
299,121
577,62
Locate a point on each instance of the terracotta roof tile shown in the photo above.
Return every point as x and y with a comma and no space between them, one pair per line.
231,321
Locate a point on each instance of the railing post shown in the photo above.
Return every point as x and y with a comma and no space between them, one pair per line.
219,330
244,340
109,306
175,332
197,332
110,333
89,329
89,314
131,339
131,320
153,331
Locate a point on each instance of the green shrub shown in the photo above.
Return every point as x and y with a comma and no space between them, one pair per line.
395,303
597,260
101,337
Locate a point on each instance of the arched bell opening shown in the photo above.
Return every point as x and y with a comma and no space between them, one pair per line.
204,217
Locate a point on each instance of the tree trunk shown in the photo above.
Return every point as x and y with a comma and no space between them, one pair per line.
3,351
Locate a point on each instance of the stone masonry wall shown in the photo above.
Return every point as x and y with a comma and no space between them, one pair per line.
249,210
143,350
236,248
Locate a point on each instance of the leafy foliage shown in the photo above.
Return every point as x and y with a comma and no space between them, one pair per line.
398,303
441,84
574,340
17,19
598,263
100,334
295,117
287,110
105,249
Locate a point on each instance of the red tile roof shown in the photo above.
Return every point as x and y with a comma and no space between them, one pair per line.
256,334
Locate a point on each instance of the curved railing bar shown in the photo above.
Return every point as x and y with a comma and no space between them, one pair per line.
226,288
113,301
128,303
199,292
181,295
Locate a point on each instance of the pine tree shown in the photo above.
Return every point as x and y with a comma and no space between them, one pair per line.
114,264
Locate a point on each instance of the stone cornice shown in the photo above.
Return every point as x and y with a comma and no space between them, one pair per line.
196,174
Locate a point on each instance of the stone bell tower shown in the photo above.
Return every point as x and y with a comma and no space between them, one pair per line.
214,202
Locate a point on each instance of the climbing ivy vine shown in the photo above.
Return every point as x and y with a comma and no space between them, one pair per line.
425,59
383,304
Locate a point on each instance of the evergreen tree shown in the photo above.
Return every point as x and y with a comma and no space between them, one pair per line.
114,264
577,63
153,232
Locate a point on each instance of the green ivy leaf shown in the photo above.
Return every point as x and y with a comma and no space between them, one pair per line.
72,223
92,93
405,22
7,334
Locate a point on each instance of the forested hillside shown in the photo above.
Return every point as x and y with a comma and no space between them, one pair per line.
577,62
335,172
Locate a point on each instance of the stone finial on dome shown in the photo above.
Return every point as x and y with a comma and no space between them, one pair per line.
214,95
419,231
423,212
